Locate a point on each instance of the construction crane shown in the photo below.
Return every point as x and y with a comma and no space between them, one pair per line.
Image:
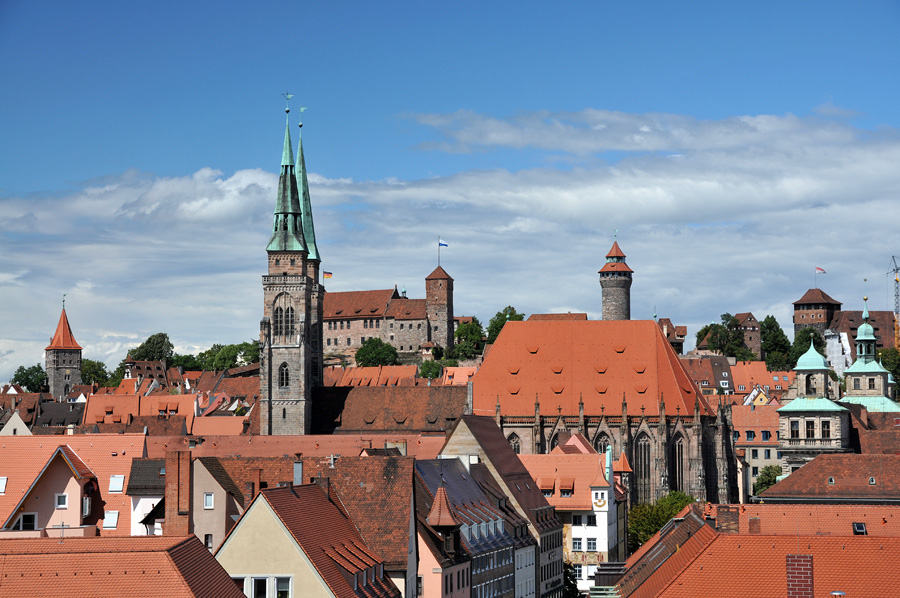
896,272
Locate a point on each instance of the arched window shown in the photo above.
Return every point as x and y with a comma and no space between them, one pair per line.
514,442
601,442
642,468
278,323
676,464
284,376
289,321
554,442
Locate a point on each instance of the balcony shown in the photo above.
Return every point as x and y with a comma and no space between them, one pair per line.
82,531
812,443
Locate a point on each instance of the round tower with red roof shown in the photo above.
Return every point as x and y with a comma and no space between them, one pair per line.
615,279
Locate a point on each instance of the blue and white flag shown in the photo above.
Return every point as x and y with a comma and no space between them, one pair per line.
442,243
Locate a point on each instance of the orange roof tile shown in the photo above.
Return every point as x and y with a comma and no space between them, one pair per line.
869,477
438,274
407,309
566,316
219,425
578,472
816,296
621,465
150,566
357,304
63,337
601,361
811,520
441,514
615,250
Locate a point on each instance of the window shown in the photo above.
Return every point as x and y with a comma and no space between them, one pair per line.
420,585
260,587
856,384
576,544
810,428
208,500
754,454
871,481
576,519
742,387
348,341
592,520
859,529
755,471
3,485
282,587
26,521
768,453
208,541
766,435
289,321
62,501
278,322
110,520
116,483
736,435
795,428
871,383
751,435
826,429
577,568
831,481
592,544
284,376
514,443
565,492
547,493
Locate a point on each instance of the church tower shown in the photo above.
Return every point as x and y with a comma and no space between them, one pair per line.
63,359
615,279
290,332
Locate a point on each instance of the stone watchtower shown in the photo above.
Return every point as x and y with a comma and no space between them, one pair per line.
63,359
439,307
815,310
290,332
615,279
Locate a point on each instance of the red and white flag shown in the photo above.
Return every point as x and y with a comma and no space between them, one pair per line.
820,270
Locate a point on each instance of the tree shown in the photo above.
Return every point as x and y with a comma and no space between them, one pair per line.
507,314
776,347
570,583
469,340
726,338
766,479
375,352
157,347
890,359
189,363
33,379
647,519
94,372
430,369
801,344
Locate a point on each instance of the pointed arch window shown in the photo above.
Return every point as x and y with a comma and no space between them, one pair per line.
284,376
642,468
278,322
515,443
289,321
601,443
554,442
676,464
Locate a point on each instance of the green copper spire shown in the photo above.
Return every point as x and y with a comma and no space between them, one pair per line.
309,231
286,233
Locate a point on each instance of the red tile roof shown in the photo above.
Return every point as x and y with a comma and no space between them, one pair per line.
328,538
579,472
357,304
407,309
851,475
438,274
566,316
615,250
621,465
164,566
389,408
601,361
811,520
441,514
816,296
63,337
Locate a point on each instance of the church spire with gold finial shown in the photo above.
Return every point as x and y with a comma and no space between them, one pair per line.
286,230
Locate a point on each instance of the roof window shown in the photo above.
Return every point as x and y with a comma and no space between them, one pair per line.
831,481
859,528
871,481
116,483
3,485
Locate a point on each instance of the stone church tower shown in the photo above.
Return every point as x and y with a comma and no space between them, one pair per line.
615,279
290,332
63,359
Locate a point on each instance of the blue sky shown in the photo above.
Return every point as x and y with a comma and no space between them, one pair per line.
734,147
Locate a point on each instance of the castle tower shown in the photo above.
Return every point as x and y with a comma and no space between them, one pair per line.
290,334
615,279
63,359
439,307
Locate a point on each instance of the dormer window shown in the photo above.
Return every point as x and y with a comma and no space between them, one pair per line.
871,481
831,481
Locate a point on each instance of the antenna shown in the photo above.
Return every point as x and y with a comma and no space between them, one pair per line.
896,272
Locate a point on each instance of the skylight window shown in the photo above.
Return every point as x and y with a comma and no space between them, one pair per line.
116,483
110,520
3,485
859,529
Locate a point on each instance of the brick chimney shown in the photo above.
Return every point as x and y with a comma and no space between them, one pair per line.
179,484
799,575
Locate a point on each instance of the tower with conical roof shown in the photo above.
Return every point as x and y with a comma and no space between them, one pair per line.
62,359
615,279
290,333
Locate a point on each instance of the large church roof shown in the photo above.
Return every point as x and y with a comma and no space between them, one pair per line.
63,337
560,362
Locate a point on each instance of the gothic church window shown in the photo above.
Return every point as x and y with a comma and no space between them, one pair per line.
514,442
289,321
676,461
602,443
284,376
278,322
642,468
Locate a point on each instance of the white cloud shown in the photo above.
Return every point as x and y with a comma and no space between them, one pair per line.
736,221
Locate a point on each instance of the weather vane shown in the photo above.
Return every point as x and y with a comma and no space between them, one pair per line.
287,100
64,300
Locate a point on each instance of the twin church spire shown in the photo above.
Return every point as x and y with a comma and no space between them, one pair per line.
293,228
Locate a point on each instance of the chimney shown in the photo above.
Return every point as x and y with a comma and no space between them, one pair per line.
298,472
799,575
257,480
178,493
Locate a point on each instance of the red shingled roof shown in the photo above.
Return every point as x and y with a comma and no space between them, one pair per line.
811,520
578,471
851,476
63,337
407,309
816,296
601,361
357,304
615,250
164,566
438,274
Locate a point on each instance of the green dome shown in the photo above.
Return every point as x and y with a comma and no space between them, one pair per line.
865,332
811,360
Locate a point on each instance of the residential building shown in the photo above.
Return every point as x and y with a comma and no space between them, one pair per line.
756,433
444,567
147,487
165,567
296,541
674,334
711,373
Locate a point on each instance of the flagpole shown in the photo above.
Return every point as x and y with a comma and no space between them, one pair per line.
439,251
